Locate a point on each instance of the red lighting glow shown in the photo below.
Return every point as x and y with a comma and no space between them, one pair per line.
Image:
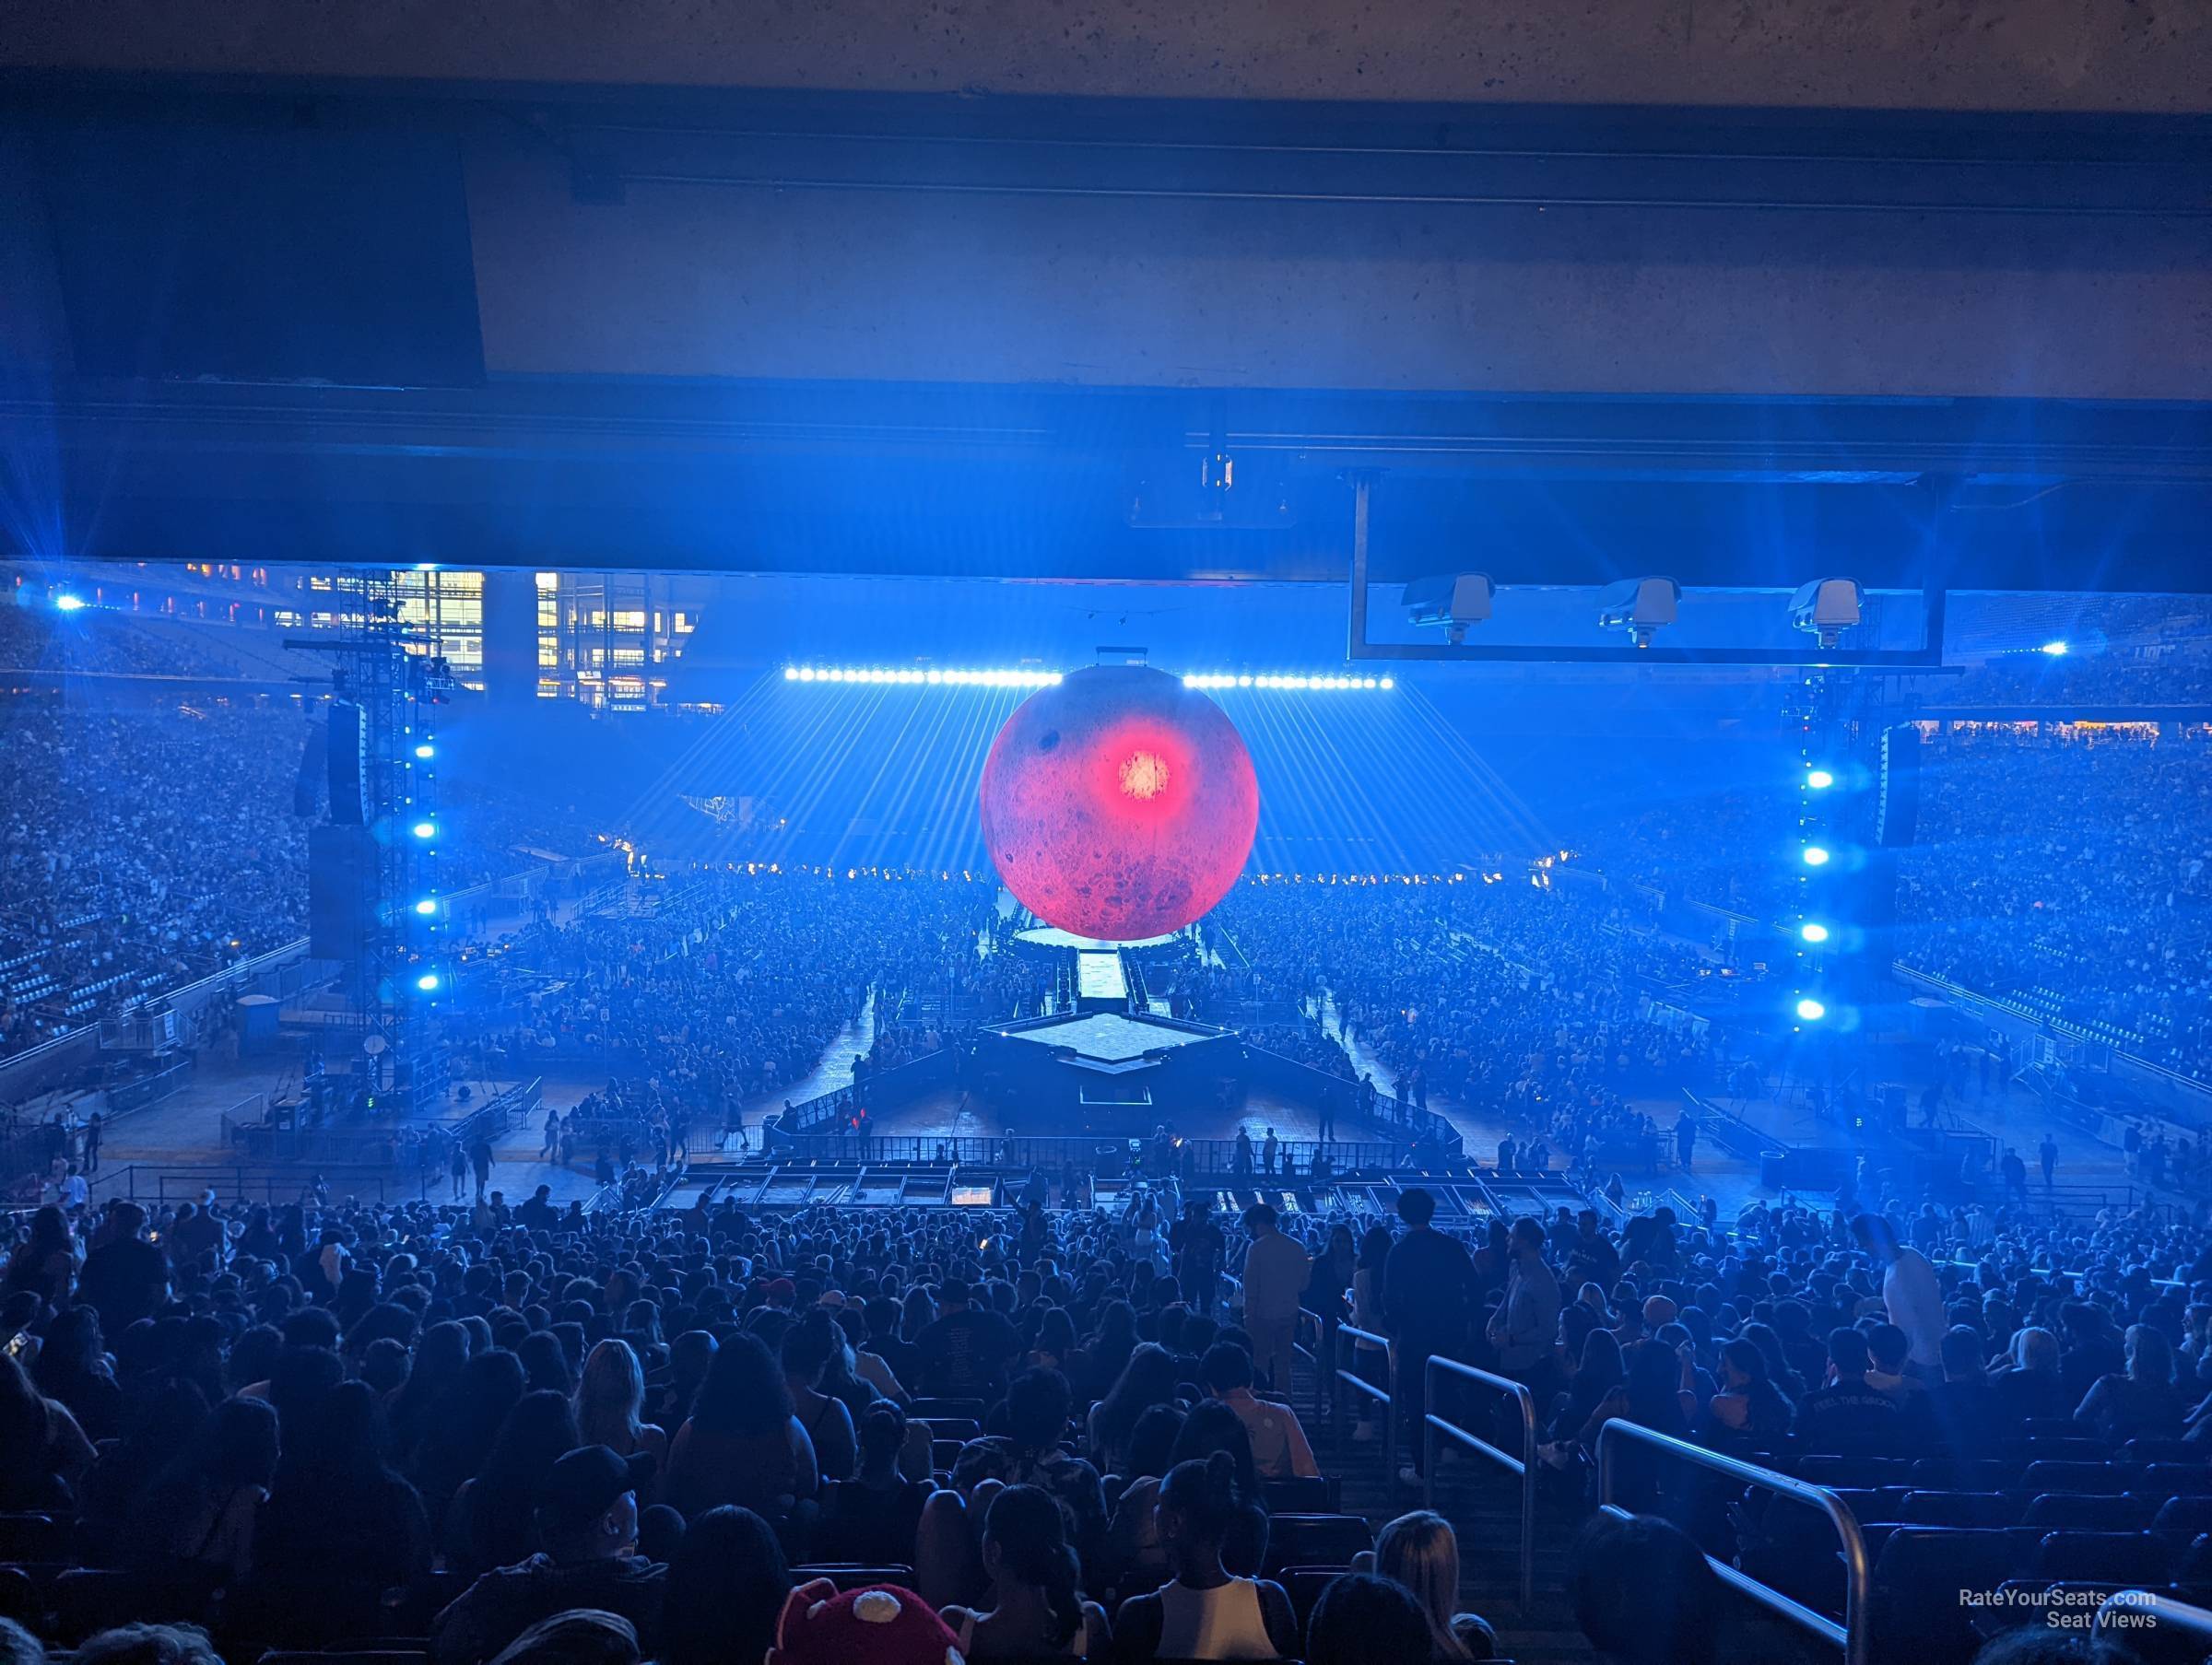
1119,804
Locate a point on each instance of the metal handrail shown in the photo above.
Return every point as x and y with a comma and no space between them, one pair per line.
1852,1635
1360,1384
1523,1465
2161,1610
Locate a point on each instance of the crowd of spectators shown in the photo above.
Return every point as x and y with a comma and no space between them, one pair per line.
734,987
1530,1002
2074,862
1069,1431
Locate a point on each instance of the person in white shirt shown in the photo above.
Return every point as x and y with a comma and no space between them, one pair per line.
1911,1291
75,1192
1276,1271
1279,1448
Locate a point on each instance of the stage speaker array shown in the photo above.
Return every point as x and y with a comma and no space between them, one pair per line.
341,891
348,749
1898,813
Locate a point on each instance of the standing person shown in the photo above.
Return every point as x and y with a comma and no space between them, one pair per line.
1909,1290
551,1146
1686,1139
1270,1151
2047,1151
2016,1176
1241,1160
458,1164
1427,1293
94,1131
1276,1272
1525,1328
1197,1244
479,1158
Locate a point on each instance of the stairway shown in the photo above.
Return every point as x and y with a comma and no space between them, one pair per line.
1483,1503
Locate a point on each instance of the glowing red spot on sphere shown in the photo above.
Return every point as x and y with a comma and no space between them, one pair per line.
1119,804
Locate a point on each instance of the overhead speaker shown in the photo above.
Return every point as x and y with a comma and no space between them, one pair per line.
346,747
1898,813
341,892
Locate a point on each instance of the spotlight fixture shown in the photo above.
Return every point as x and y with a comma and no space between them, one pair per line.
425,829
1816,855
425,907
2057,649
1638,605
1811,1010
1826,608
425,750
1452,602
70,603
428,982
1812,931
1819,779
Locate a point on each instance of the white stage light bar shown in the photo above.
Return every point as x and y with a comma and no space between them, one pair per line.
909,676
1273,682
1286,682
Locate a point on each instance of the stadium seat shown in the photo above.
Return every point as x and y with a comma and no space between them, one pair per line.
1316,1540
2096,1555
1314,1494
1966,1473
1918,1574
2165,1450
2080,1477
20,1597
1830,1468
848,1577
33,1538
1960,1508
928,1410
1872,1503
2183,1515
961,1428
944,1453
2055,1511
1304,1585
88,1600
2177,1479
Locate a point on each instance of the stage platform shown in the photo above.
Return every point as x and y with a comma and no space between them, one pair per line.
1051,937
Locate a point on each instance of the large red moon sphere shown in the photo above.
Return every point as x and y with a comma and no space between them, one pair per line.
1119,804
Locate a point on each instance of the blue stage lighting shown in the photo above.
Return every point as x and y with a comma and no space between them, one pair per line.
69,604
1812,931
426,982
1811,1010
426,751
426,829
2057,649
426,905
1816,855
1819,779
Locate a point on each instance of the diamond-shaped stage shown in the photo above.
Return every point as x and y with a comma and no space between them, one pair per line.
1104,1072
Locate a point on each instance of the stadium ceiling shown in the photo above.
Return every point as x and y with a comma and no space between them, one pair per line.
553,327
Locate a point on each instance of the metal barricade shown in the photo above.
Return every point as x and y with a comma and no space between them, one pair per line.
1525,1465
1858,1571
2127,1611
1359,1384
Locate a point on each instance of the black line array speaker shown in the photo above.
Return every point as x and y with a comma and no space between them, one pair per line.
348,749
307,786
341,891
1899,812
